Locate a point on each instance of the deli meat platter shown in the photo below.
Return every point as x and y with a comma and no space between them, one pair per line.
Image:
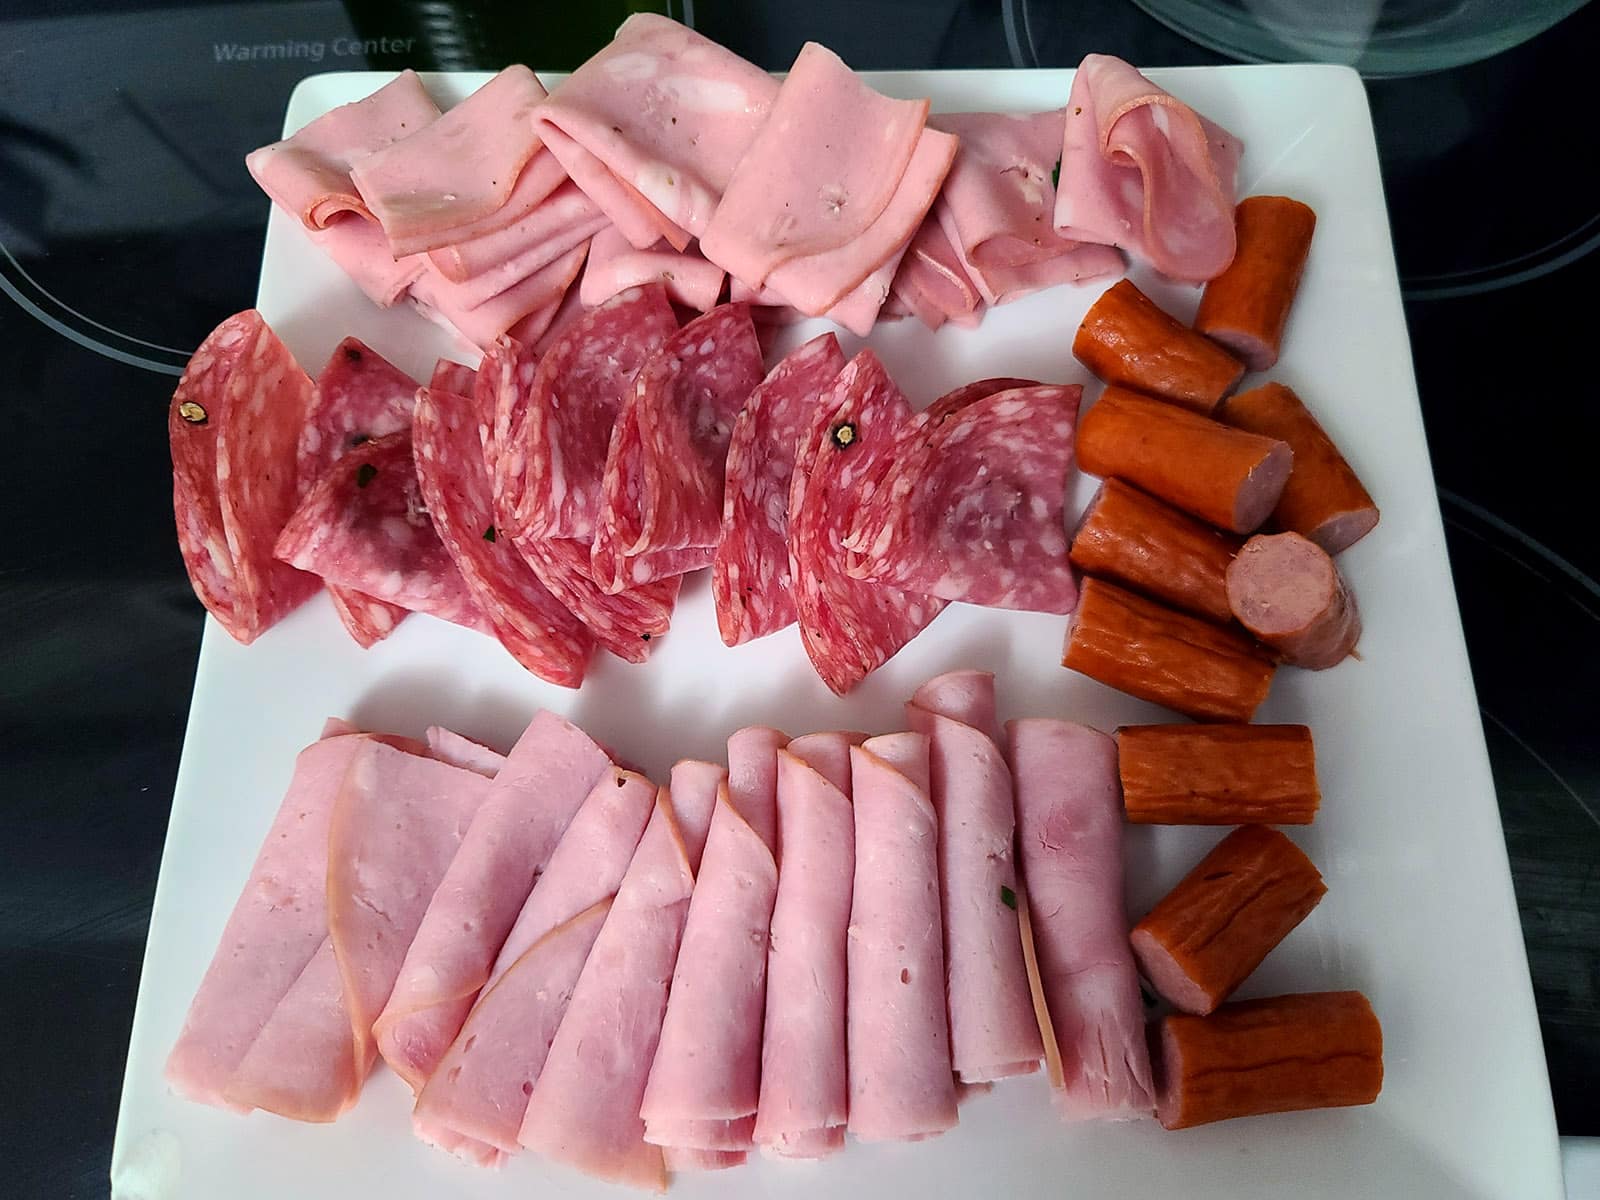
1419,914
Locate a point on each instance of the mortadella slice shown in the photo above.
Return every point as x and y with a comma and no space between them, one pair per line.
750,580
1069,829
616,265
530,803
480,1087
461,751
933,282
993,1031
1142,170
524,309
706,1078
584,1110
805,1093
359,249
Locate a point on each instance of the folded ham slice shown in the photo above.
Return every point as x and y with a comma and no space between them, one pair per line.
653,125
455,178
993,1032
480,1088
804,1078
616,265
584,1110
531,800
1069,830
308,174
460,751
524,310
901,1083
706,1078
359,249
932,282
1142,170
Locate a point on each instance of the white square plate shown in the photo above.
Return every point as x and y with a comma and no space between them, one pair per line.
1419,915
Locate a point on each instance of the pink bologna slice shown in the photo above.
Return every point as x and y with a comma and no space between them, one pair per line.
233,423
850,627
973,510
663,483
360,396
531,623
750,573
366,526
933,283
615,265
548,477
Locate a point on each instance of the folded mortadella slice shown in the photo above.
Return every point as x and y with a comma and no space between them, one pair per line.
1069,828
546,777
706,1079
615,265
805,1095
448,746
993,1031
584,1110
901,1083
478,1092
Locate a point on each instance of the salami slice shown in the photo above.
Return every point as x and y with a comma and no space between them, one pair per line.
549,482
365,526
453,377
850,627
503,377
533,625
232,426
974,510
750,573
664,470
360,395
625,623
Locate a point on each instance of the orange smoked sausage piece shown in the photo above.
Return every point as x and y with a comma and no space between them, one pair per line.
1245,307
1126,339
1218,774
1288,592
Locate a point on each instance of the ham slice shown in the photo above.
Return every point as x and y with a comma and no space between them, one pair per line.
804,1085
706,1078
1069,829
454,179
584,1110
359,249
308,174
459,751
615,265
932,282
480,1088
901,1083
1142,170
545,778
653,125
524,310
993,1032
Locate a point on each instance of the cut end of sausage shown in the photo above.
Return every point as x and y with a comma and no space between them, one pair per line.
1168,977
1259,494
1167,1056
1285,589
1343,530
1253,350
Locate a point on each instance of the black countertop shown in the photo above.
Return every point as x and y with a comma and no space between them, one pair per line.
128,228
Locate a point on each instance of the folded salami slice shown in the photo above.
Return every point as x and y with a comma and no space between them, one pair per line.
455,179
531,622
750,573
653,125
627,622
616,265
532,799
850,627
1142,170
993,1031
664,474
308,175
366,526
932,281
233,425
549,476
974,510
360,395
453,377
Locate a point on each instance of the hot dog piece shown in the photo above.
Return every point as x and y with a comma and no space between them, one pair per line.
1126,339
1153,548
1315,1050
1288,592
1323,498
1153,652
1228,477
1246,307
1218,774
1207,934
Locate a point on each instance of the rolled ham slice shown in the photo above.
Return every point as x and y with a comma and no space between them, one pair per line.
993,1032
481,1085
804,1074
653,125
1069,829
901,1083
545,778
584,1110
1142,170
706,1079
616,265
